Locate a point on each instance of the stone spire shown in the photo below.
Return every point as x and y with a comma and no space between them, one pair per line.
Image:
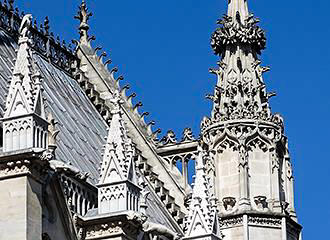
83,16
118,189
238,8
249,163
202,221
25,124
240,92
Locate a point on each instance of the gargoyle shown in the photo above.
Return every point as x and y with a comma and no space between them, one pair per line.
159,230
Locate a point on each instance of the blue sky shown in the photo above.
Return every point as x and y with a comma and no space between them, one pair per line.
162,49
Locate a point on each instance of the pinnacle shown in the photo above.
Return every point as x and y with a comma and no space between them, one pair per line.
25,75
119,147
238,9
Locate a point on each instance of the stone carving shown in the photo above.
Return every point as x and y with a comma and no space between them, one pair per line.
52,132
102,230
159,230
83,16
243,156
60,166
233,32
198,223
265,221
275,161
206,122
187,135
229,203
230,222
260,201
119,147
15,168
43,42
47,155
170,138
25,25
289,170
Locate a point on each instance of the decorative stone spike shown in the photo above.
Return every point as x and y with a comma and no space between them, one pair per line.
130,98
107,62
154,135
90,39
11,5
169,138
118,168
123,91
112,72
97,49
83,16
201,222
187,135
149,127
25,104
100,58
46,26
136,108
120,78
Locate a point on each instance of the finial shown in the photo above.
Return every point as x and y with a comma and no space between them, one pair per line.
11,5
83,16
238,9
46,26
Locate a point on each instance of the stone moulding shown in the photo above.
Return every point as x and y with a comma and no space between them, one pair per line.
94,232
248,130
231,222
253,220
125,223
23,163
265,221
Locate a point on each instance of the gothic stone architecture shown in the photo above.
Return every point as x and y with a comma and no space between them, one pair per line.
79,162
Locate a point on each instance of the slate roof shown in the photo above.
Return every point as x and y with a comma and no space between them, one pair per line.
82,129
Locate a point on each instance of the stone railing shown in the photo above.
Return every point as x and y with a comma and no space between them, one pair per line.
80,197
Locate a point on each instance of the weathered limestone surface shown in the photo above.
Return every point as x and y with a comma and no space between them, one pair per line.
21,210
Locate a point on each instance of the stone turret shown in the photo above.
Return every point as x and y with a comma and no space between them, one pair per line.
249,164
24,122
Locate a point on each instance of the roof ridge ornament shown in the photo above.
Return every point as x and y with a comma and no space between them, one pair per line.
83,16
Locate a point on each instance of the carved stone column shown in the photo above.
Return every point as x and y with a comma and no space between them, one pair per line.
275,202
185,170
244,201
289,181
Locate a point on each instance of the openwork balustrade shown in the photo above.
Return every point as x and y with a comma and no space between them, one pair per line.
80,197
